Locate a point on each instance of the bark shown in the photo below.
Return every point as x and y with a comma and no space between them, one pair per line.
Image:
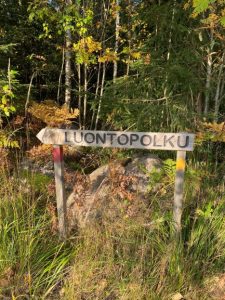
85,96
79,94
168,58
170,44
96,93
68,70
60,76
171,31
115,65
9,75
101,94
102,67
209,72
129,57
29,91
219,89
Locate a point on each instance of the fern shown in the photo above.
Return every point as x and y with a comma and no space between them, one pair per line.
51,114
6,141
214,132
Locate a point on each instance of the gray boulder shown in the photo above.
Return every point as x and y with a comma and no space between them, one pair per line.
103,190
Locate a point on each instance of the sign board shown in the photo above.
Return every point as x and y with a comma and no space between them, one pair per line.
180,142
118,139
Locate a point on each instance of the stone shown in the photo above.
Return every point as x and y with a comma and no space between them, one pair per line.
103,190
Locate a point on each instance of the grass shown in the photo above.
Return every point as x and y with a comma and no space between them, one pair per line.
123,257
33,261
128,261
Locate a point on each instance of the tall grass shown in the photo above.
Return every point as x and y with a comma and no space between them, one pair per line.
129,260
123,257
33,261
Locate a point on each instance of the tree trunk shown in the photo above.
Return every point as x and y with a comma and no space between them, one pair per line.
101,94
9,75
209,73
115,66
218,89
60,76
68,70
29,91
79,95
96,94
168,58
85,95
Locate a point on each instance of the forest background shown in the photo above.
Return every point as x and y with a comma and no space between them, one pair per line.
113,65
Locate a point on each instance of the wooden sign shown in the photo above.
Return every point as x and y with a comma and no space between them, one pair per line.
181,142
118,139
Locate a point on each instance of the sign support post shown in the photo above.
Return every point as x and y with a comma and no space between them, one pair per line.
60,190
178,191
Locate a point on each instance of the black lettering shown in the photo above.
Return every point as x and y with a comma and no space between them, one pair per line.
121,137
181,138
81,137
91,135
111,137
168,140
66,138
100,138
155,142
142,140
133,138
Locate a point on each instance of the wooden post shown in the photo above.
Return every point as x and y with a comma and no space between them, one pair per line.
60,190
178,192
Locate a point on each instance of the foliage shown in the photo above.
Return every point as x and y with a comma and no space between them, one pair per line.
163,176
216,11
7,87
51,114
6,140
211,132
5,107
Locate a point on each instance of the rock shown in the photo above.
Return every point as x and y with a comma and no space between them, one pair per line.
104,189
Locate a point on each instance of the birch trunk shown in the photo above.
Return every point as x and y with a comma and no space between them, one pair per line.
9,75
168,58
60,75
79,95
101,94
115,65
209,72
96,93
85,96
68,70
218,89
29,91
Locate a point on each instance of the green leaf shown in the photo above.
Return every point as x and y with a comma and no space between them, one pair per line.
6,112
201,5
222,21
5,88
4,100
12,108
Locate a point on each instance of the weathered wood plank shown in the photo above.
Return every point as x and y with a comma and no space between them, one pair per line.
118,139
178,191
60,190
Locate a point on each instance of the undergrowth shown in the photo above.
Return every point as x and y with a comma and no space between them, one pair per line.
131,260
33,262
126,259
